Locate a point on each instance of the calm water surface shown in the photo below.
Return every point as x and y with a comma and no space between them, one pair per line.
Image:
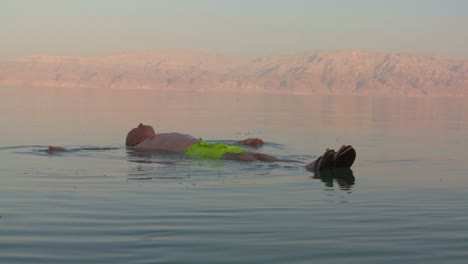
405,200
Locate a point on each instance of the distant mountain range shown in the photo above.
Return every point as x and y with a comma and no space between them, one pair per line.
348,72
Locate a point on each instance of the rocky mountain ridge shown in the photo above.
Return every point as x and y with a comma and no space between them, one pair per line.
348,72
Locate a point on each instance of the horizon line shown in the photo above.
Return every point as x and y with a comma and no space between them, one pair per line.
198,51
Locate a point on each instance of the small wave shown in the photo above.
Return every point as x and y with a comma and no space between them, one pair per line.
155,178
81,148
20,147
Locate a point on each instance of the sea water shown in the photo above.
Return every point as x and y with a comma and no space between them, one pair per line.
404,201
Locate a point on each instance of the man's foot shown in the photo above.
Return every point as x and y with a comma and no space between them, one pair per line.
252,142
345,156
326,161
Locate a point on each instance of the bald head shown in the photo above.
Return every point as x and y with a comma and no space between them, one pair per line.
138,134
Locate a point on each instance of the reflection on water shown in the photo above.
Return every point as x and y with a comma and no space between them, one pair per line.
343,177
99,202
89,116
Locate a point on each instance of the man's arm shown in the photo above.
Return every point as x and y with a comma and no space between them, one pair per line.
251,142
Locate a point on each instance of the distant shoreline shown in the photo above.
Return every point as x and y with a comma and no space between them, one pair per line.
346,72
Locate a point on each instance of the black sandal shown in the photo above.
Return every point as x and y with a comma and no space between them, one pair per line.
323,162
345,158
326,161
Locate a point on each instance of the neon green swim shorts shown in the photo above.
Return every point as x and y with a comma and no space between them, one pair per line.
210,151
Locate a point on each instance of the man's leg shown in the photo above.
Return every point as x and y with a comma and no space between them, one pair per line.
265,157
344,158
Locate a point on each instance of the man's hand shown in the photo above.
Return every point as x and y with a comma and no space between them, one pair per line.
252,142
53,149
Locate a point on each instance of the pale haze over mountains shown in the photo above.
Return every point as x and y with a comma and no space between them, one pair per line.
348,72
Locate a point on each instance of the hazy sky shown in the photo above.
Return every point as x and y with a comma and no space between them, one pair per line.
94,27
